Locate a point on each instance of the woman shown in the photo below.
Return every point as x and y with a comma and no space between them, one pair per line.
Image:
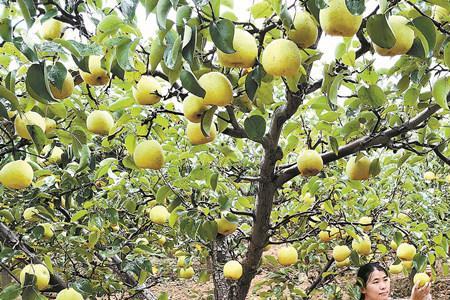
375,284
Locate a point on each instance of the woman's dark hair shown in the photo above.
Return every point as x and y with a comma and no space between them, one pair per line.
364,274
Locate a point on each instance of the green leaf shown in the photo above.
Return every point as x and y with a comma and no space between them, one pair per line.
172,53
6,94
128,8
261,9
356,7
411,96
156,53
85,157
38,137
208,230
427,29
379,31
10,81
6,29
149,5
334,144
183,15
104,167
20,44
222,34
440,91
117,70
28,11
109,24
37,83
191,84
213,181
207,120
313,9
253,81
334,88
286,18
255,127
376,95
57,74
11,292
162,193
123,53
189,42
447,55
375,167
421,262
162,10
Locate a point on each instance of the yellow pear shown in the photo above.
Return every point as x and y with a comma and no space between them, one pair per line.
366,223
147,91
337,20
447,178
54,157
48,230
159,214
396,269
429,175
287,256
16,175
149,155
246,51
344,263
394,245
69,294
66,90
181,261
218,88
50,125
41,273
51,29
28,118
161,240
30,214
358,170
193,108
341,253
406,251
362,245
421,279
100,122
328,234
232,270
403,34
96,75
305,30
309,163
407,264
195,134
281,58
187,273
225,227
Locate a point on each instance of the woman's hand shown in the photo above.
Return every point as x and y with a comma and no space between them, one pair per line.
421,293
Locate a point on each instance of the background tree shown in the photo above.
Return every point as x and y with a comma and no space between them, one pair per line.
195,132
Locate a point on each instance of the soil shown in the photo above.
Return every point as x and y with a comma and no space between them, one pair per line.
180,289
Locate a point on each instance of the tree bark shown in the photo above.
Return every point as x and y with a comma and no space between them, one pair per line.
223,289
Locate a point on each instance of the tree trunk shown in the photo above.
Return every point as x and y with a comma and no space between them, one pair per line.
223,289
259,238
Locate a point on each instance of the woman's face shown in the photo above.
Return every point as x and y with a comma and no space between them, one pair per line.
378,286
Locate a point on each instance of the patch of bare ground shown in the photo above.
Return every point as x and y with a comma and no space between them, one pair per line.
180,289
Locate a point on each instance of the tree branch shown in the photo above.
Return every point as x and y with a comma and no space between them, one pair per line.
366,142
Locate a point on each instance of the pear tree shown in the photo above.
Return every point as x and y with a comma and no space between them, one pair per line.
209,141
